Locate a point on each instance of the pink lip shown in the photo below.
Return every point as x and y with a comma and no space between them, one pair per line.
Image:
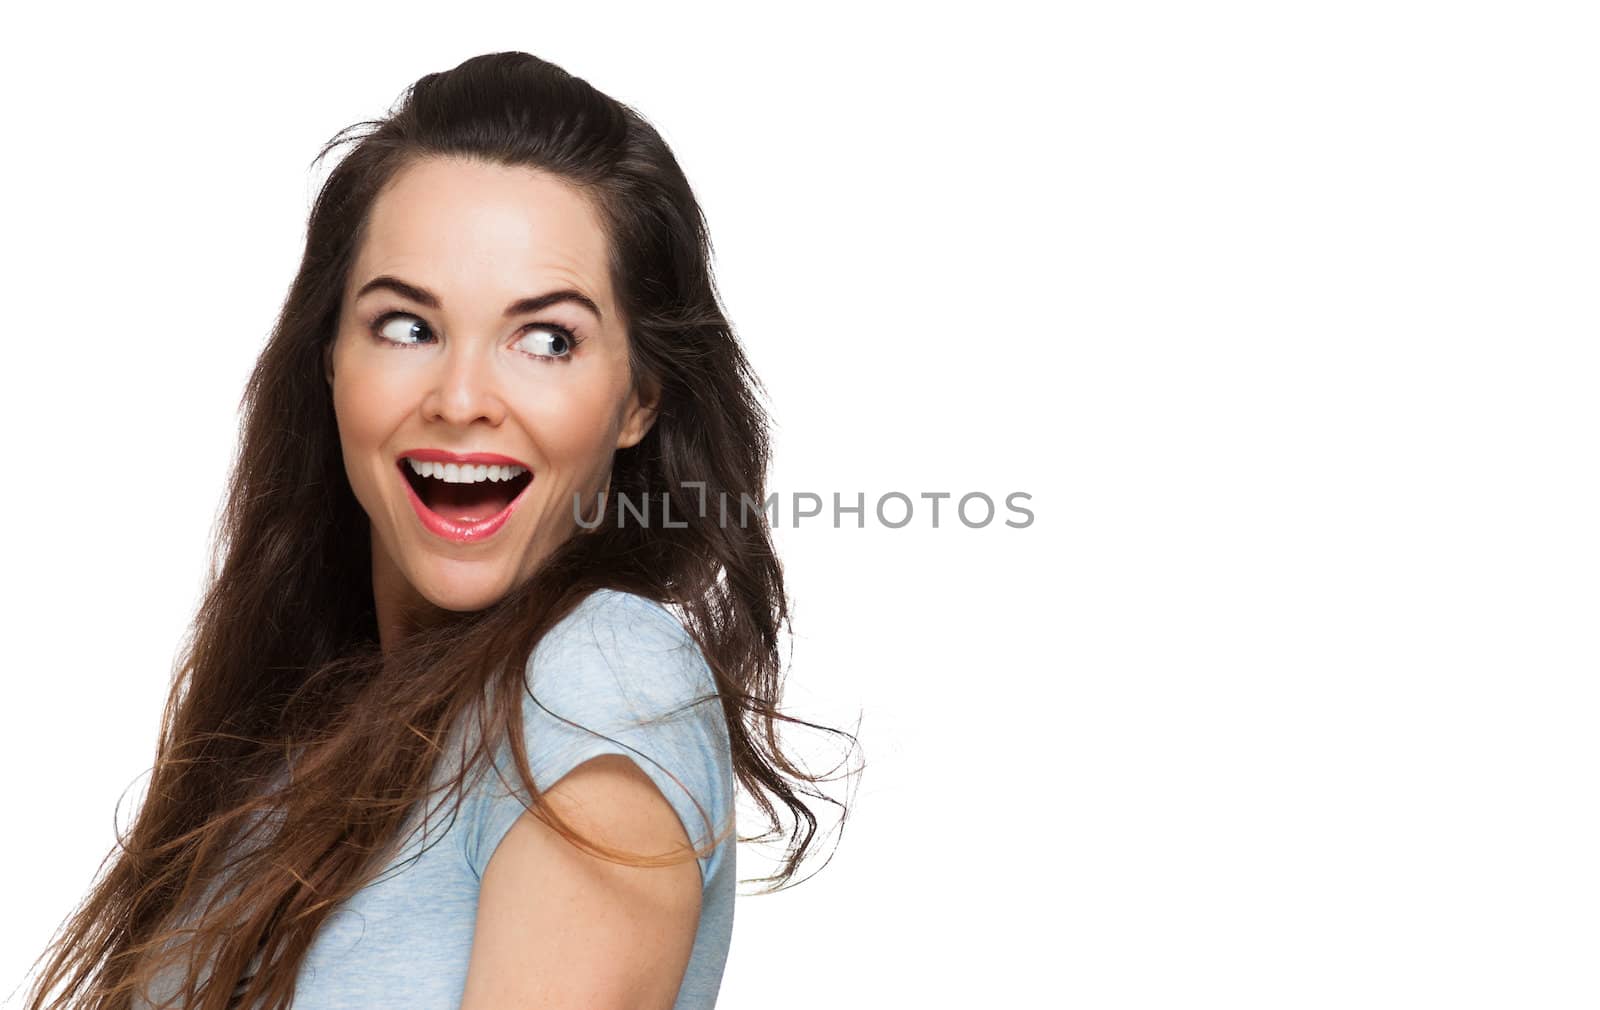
457,532
443,456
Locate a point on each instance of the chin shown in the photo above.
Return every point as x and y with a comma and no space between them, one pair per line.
457,587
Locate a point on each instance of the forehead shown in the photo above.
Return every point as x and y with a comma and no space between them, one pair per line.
472,228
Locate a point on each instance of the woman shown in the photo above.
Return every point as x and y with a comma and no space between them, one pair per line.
451,730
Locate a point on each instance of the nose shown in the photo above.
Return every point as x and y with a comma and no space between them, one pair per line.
464,388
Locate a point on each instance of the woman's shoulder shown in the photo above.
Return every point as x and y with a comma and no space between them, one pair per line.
620,674
624,607
635,638
620,657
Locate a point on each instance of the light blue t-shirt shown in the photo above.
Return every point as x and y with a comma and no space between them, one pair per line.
619,664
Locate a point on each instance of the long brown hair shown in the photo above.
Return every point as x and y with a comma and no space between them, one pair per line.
283,665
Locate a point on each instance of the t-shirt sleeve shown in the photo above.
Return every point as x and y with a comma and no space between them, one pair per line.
618,675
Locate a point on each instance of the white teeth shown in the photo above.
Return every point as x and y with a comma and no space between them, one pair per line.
465,473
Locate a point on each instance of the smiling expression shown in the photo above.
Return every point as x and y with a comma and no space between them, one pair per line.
478,318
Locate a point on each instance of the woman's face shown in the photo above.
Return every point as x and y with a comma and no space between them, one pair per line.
478,319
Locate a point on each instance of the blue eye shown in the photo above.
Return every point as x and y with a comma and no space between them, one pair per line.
548,340
399,334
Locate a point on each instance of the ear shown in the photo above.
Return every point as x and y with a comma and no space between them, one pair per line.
639,414
327,362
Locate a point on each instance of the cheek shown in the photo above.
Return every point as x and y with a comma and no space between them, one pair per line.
367,405
356,411
574,427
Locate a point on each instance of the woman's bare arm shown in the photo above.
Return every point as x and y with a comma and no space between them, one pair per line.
559,929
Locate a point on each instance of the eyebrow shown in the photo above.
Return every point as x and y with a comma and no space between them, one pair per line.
533,304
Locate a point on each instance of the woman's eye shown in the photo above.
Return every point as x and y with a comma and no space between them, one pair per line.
400,328
548,341
543,340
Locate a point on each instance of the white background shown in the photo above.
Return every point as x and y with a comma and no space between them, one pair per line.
1284,314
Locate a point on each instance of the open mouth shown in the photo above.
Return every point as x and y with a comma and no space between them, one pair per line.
465,495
